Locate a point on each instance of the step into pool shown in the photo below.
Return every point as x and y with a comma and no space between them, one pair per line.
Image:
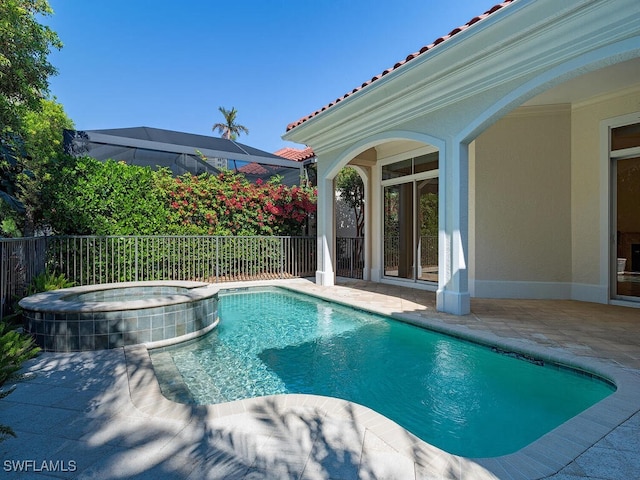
465,398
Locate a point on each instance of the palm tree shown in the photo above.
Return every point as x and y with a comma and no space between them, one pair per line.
230,129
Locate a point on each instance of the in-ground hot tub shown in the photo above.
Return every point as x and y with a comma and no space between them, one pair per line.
97,317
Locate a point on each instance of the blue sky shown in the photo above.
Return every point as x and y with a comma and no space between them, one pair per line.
171,64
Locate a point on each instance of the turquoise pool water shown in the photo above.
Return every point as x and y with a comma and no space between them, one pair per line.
462,397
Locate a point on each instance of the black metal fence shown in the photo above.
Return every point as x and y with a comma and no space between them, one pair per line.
88,260
21,259
350,257
428,248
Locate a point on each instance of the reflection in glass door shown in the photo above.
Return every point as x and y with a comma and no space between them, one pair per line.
427,241
391,229
625,147
411,230
398,230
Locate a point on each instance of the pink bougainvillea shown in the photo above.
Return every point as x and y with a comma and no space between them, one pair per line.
228,204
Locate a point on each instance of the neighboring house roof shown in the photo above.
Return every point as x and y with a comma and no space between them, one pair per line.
185,139
424,50
296,154
290,153
253,169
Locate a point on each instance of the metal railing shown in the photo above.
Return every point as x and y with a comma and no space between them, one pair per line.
428,251
350,257
20,260
88,260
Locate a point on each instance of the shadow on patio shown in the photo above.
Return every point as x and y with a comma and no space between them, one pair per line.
74,419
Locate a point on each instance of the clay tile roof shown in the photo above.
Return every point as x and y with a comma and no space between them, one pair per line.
296,154
410,57
253,169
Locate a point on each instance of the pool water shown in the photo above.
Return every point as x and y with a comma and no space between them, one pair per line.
464,398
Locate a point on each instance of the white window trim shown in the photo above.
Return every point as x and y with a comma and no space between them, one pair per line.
413,179
607,237
407,155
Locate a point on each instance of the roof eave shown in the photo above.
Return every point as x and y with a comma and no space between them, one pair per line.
441,44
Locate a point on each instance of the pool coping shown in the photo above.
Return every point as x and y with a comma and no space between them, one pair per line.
543,457
56,300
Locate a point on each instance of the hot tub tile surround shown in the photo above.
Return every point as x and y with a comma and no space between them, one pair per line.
90,317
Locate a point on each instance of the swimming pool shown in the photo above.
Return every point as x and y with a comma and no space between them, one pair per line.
464,398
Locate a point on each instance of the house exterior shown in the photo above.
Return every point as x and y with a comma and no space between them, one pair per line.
305,157
516,137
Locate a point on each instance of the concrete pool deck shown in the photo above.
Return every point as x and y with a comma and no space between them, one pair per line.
101,414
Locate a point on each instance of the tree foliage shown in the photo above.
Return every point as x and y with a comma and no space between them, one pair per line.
42,132
89,197
230,129
429,214
351,189
11,208
24,67
24,84
28,157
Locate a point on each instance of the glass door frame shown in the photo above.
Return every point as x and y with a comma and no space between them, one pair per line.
414,180
613,156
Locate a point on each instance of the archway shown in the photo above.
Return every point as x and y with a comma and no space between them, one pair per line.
396,161
350,222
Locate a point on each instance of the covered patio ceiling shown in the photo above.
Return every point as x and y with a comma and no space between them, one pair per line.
614,78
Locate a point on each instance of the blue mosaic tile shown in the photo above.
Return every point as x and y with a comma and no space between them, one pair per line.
144,322
101,327
111,329
144,336
60,343
180,330
157,321
116,340
60,328
73,342
130,338
86,327
170,331
101,342
87,342
157,334
74,327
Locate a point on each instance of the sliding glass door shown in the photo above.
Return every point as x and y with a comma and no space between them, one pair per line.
398,230
410,219
427,229
625,164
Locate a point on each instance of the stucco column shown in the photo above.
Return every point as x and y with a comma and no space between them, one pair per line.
373,227
453,274
365,174
325,229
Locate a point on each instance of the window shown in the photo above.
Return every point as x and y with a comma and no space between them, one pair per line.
410,166
625,165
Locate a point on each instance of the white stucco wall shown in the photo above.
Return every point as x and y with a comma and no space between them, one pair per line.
521,204
589,190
